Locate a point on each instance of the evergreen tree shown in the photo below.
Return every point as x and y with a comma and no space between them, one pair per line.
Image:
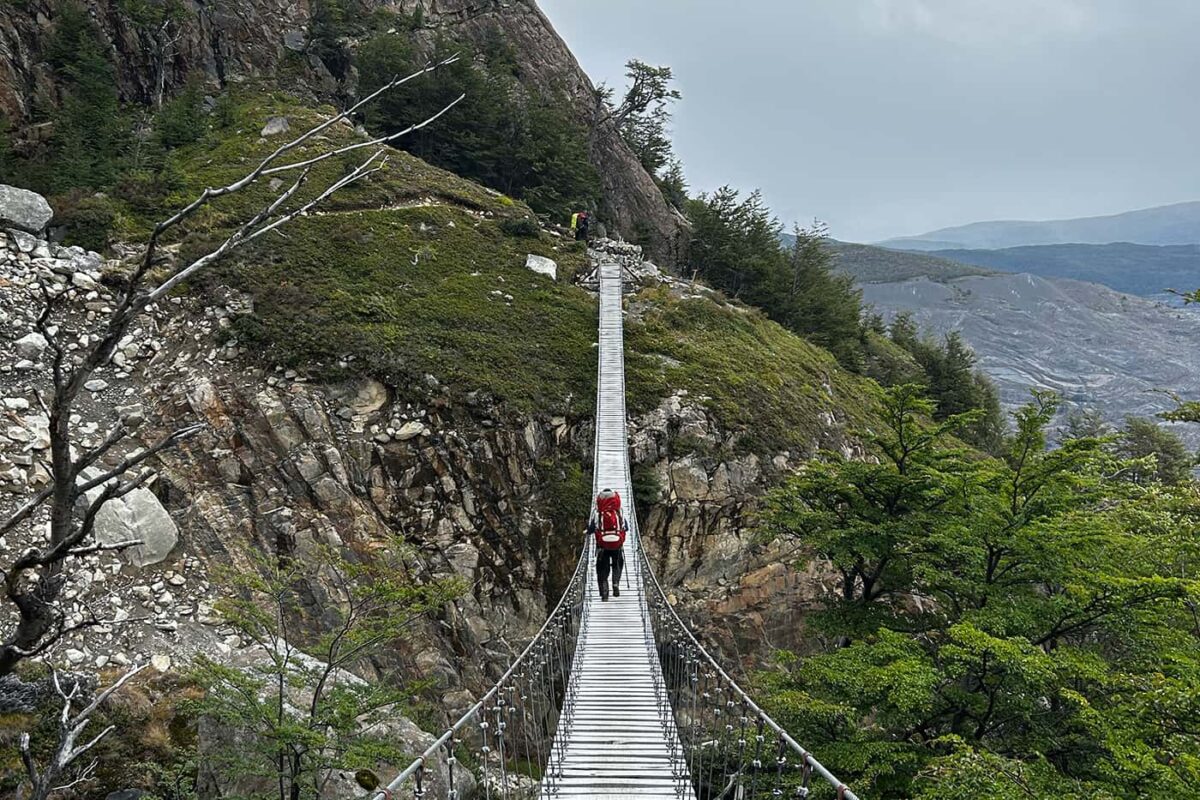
737,247
182,119
953,382
1162,456
673,184
525,146
91,136
821,304
1086,424
1019,626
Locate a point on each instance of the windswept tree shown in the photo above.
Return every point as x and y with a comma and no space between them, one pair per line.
643,115
83,479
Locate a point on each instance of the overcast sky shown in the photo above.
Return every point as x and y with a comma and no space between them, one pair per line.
894,117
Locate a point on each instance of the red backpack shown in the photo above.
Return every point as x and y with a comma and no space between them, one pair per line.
609,533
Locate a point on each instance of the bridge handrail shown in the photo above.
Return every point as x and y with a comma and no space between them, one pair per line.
420,761
807,757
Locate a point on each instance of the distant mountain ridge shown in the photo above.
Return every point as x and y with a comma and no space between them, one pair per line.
1095,347
869,264
1163,225
1138,269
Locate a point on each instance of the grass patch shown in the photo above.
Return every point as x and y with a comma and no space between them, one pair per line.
233,146
761,382
346,285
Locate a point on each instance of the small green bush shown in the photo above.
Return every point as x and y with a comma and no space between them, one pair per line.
87,221
182,120
521,227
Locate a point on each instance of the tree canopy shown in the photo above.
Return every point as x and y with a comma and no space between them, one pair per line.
1017,626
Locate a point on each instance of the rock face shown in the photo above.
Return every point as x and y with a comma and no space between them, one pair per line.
24,210
234,42
697,523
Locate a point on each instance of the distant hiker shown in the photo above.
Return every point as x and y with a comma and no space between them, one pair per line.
608,525
581,224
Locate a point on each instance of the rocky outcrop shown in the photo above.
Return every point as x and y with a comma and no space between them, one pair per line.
236,42
24,210
696,512
284,464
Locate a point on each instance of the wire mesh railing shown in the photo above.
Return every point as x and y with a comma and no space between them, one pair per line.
732,748
502,746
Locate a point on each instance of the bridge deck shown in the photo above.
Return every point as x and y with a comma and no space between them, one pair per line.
617,735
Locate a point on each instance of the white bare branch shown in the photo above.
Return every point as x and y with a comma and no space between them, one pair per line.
45,781
242,238
382,140
257,172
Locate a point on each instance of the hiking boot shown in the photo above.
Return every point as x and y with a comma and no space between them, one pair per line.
616,590
604,590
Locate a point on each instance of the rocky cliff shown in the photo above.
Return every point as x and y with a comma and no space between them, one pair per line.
259,39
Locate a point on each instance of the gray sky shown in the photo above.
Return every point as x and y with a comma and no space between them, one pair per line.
894,117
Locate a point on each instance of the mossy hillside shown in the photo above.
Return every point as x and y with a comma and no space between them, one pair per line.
762,383
393,286
233,146
404,293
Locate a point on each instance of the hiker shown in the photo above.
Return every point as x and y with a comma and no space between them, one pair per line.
608,525
581,224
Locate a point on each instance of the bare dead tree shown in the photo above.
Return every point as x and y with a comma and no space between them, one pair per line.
166,37
34,580
63,771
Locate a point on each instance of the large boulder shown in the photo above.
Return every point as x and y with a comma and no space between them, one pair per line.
24,210
31,346
138,516
542,266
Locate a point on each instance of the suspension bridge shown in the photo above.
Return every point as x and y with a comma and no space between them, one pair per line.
615,699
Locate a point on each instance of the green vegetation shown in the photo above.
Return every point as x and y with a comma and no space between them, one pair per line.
948,372
292,719
1010,627
1156,452
154,733
422,291
761,383
526,146
736,247
91,134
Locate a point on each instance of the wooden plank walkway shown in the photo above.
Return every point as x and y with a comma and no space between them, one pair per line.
617,736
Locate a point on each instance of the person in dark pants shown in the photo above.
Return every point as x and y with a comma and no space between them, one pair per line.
607,524
583,226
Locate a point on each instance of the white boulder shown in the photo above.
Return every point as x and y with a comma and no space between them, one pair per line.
542,266
138,516
31,346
